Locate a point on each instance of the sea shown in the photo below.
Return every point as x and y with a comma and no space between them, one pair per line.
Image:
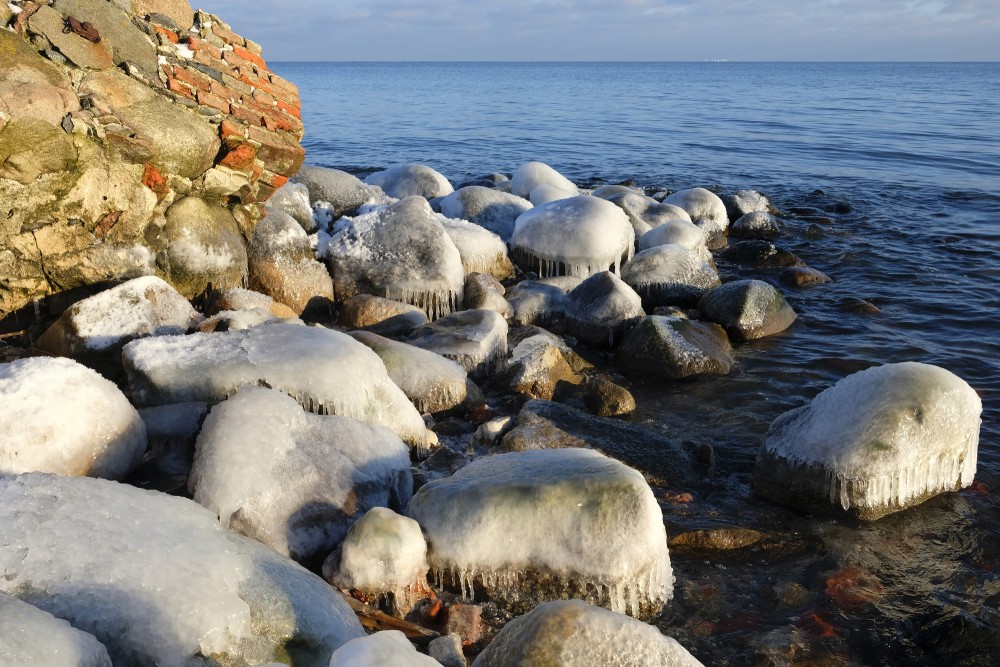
889,175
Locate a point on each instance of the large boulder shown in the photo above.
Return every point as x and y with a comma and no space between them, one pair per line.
536,368
487,207
534,302
30,636
158,580
706,210
680,232
476,339
293,199
600,308
483,290
411,180
481,250
384,317
669,275
204,246
283,266
344,192
675,348
877,442
532,175
757,224
645,213
747,309
744,202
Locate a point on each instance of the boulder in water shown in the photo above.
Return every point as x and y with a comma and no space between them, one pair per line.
758,224
803,276
484,291
747,309
536,368
669,275
678,232
675,348
481,250
760,254
476,339
599,309
487,207
533,174
30,636
645,213
411,180
534,302
706,210
604,398
743,202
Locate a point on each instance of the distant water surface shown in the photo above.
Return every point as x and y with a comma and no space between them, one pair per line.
902,162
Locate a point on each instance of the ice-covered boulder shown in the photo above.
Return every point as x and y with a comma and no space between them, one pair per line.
487,207
599,309
534,302
158,580
388,648
342,191
758,224
481,250
237,320
538,525
328,372
30,636
877,442
578,236
476,339
103,323
533,174
400,252
675,348
293,480
669,275
547,193
238,299
609,191
61,417
742,202
645,213
204,246
411,180
283,266
679,232
571,633
384,317
293,199
432,382
536,367
484,291
747,309
706,210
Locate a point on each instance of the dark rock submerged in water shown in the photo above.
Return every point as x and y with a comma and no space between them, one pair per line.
675,348
747,309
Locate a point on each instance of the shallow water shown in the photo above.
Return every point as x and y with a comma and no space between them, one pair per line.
913,149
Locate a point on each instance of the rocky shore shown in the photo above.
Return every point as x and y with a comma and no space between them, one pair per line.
332,421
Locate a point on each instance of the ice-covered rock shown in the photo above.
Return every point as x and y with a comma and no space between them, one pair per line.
675,348
679,232
547,193
401,252
203,246
484,291
158,580
669,275
383,553
539,525
447,650
432,382
534,302
476,339
758,224
877,442
282,264
103,323
388,648
342,191
293,199
609,191
61,417
536,367
571,633
645,213
533,174
578,236
599,309
747,309
384,317
481,250
327,372
237,299
293,480
487,207
30,636
706,210
743,202
411,180
237,320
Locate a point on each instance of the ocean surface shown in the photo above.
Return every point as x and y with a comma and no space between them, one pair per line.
900,164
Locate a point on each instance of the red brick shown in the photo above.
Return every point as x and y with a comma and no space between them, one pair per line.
253,47
228,36
284,85
213,100
193,78
264,97
289,109
236,61
248,115
236,84
231,128
282,121
154,180
240,157
199,45
272,179
169,34
205,58
279,151
258,105
181,88
250,56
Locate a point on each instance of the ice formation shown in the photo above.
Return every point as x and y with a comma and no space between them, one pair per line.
678,232
293,480
675,348
568,514
609,191
534,302
141,307
489,208
30,636
244,299
238,320
742,202
645,213
476,339
546,193
705,208
578,236
61,417
156,578
532,174
481,250
874,443
432,382
484,291
402,253
669,275
747,309
571,633
599,308
342,191
293,199
381,316
758,224
326,371
283,266
388,648
411,180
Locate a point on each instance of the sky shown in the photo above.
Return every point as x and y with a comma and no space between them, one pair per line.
624,30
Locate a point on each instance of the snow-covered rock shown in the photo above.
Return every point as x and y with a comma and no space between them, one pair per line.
743,202
679,232
609,191
238,299
59,416
877,442
675,348
578,236
487,207
388,648
158,580
571,633
757,224
536,366
645,213
103,323
547,193
293,480
400,252
411,180
379,315
432,382
476,339
481,250
706,210
534,302
533,174
669,275
747,309
30,636
293,199
283,266
599,309
538,525
326,371
484,291
237,320
342,191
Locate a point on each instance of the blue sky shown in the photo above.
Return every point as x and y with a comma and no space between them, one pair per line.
617,29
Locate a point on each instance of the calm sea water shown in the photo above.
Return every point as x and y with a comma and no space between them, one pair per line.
914,151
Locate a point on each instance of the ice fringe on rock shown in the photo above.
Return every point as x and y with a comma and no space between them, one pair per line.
669,275
293,480
157,580
389,648
571,633
567,515
411,180
645,213
476,339
486,207
876,442
481,250
578,236
706,210
533,174
326,371
30,636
